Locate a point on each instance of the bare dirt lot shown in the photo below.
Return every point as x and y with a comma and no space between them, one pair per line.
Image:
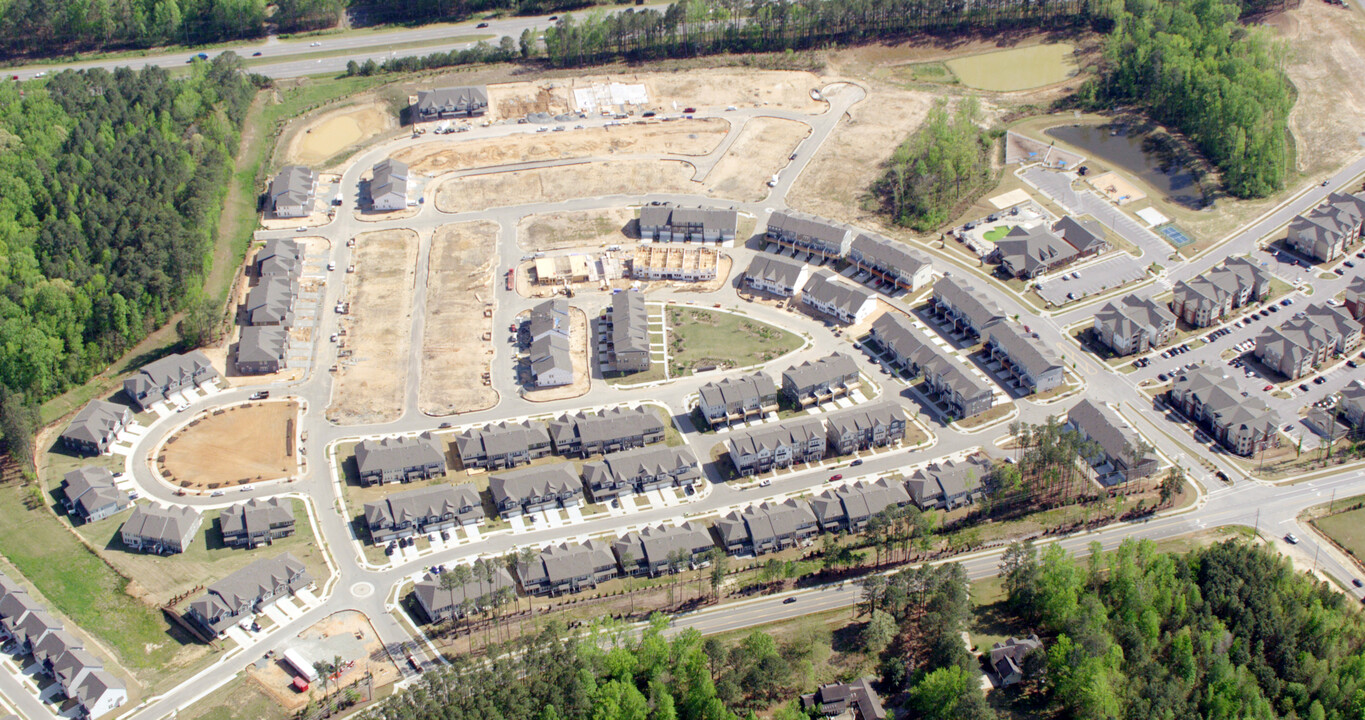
578,353
348,635
370,383
241,443
833,184
1326,52
668,91
332,133
582,228
455,354
682,137
761,149
554,184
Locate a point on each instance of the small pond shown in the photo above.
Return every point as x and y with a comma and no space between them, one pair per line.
1138,152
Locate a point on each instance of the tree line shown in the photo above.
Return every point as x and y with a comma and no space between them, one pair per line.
942,163
1190,64
110,187
1225,631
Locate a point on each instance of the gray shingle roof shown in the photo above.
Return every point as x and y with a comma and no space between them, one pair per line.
293,185
263,344
97,422
243,589
858,500
452,99
438,601
91,488
175,524
737,392
390,177
890,256
1031,250
824,289
558,563
797,431
396,453
946,479
654,460
272,301
775,269
826,369
793,223
860,417
519,485
968,301
1104,426
1084,235
609,424
255,516
653,545
501,438
426,502
722,221
629,322
1024,349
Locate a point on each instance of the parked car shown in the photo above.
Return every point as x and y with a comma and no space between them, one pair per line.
856,463
1291,539
835,478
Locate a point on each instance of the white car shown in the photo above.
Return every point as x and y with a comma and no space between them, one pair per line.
315,44
1291,539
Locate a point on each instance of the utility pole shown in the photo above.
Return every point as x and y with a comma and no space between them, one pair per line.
1258,522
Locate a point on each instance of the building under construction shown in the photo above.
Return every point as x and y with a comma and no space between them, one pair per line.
671,262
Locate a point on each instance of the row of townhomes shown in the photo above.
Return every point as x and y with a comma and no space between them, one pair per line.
1212,400
248,525
807,439
292,192
1329,230
1205,300
890,264
670,223
1033,251
841,301
399,459
1132,325
639,471
89,494
57,654
672,262
945,377
965,309
777,275
163,531
1306,341
388,188
756,530
737,399
242,594
422,510
1024,358
269,309
503,445
165,379
547,330
96,427
626,326
1122,455
819,381
451,102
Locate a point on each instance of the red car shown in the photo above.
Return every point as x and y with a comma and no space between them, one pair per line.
835,478
1268,388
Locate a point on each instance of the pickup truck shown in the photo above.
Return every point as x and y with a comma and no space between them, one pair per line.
260,395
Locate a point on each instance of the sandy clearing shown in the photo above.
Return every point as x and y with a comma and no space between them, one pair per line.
370,384
1324,61
554,184
241,443
580,228
833,184
330,134
761,149
455,354
683,137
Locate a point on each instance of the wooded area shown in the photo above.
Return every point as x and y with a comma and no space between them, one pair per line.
111,185
1226,631
1191,65
944,161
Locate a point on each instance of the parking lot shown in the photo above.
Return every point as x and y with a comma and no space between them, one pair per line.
1090,280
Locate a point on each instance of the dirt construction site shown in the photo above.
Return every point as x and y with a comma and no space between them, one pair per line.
576,229
372,369
233,445
555,184
347,635
456,347
684,137
330,134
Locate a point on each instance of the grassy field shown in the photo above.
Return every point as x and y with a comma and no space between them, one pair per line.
1347,529
207,558
702,338
1017,68
76,583
994,234
241,699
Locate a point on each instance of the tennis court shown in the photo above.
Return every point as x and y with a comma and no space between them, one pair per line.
1175,235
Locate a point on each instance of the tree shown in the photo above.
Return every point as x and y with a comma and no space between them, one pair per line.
1172,484
719,566
878,633
448,581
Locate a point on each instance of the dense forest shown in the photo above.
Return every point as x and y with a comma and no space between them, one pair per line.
1226,631
1191,65
944,161
110,187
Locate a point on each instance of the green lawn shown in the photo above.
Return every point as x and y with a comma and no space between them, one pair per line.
703,338
207,558
994,234
1347,529
76,583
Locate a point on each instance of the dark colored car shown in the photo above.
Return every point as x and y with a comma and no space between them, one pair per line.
481,25
789,601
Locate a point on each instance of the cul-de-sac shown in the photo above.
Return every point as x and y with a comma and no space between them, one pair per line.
699,360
